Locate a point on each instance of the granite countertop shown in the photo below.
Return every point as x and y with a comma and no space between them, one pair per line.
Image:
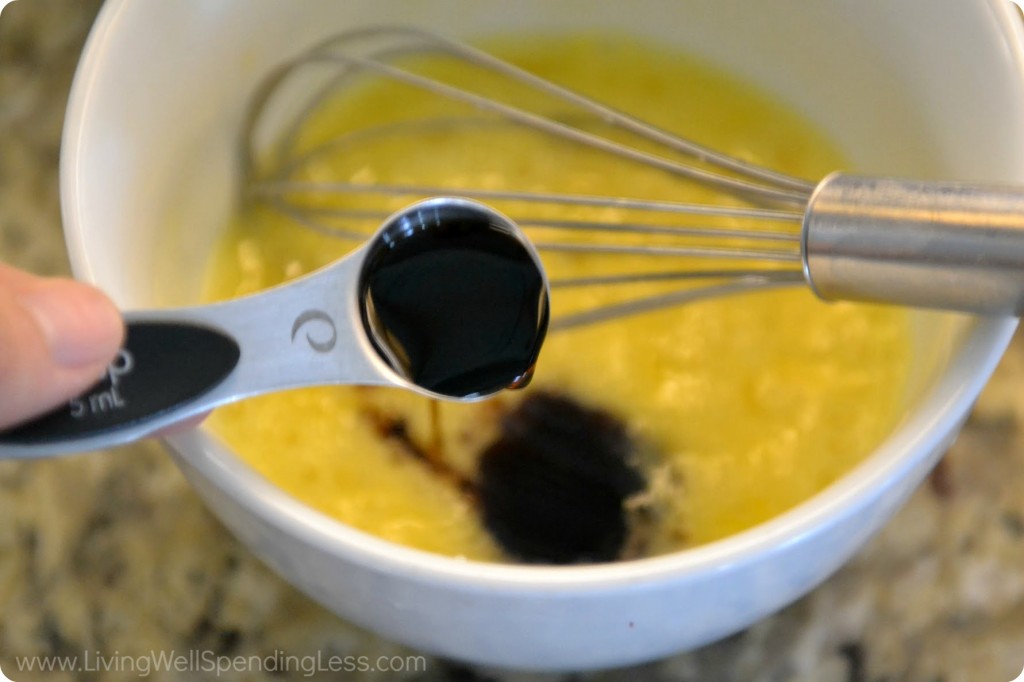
110,556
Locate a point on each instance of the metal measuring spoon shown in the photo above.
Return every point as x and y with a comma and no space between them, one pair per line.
448,299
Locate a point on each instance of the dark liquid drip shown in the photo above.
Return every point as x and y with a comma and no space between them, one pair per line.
436,437
454,301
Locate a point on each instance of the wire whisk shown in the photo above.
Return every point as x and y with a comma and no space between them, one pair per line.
950,245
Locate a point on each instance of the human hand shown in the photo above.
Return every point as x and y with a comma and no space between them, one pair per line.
56,338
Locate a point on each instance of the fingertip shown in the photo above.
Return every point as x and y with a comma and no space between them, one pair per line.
79,323
57,336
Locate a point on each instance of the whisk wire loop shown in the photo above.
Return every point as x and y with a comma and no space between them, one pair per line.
759,225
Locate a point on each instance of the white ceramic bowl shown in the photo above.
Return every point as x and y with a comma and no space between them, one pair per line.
922,87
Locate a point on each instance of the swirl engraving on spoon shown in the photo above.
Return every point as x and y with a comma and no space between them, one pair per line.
314,315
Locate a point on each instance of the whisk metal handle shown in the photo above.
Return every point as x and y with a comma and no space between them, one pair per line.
954,246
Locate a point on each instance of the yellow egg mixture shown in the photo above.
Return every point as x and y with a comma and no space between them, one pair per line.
745,406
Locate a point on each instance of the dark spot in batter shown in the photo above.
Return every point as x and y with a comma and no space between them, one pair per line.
552,488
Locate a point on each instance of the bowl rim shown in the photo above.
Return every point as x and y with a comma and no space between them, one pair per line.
937,418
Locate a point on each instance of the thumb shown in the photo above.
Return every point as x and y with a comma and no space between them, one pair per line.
56,338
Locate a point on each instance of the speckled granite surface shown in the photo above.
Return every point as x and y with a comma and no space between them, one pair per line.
111,557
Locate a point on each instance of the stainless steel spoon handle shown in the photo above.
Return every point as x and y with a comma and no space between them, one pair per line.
177,364
451,283
955,246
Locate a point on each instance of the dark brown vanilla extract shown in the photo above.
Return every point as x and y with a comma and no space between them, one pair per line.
553,487
455,301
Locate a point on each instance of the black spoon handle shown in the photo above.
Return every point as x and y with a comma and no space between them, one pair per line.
156,376
184,362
